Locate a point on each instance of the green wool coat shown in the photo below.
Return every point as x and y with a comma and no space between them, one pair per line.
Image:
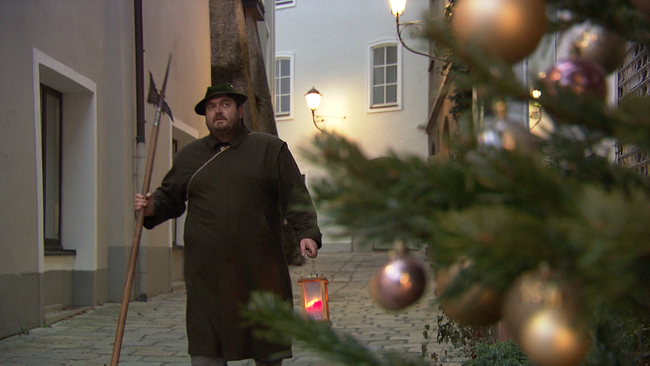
236,197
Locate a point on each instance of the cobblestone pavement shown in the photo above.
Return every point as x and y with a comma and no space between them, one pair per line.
155,330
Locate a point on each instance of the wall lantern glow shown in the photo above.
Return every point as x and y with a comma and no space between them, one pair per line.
397,6
313,99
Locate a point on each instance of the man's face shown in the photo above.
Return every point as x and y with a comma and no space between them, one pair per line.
222,116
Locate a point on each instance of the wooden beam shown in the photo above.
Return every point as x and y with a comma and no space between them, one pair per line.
243,47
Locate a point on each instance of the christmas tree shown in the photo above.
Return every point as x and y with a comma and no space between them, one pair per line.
539,232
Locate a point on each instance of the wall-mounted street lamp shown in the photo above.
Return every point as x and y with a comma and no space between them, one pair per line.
313,101
536,93
397,8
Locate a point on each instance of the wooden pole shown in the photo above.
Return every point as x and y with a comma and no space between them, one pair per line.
243,46
128,283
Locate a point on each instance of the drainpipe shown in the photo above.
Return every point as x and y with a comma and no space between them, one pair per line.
141,149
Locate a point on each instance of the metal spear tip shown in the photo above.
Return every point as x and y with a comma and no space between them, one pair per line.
155,96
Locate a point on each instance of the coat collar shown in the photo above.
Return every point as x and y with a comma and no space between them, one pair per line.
213,142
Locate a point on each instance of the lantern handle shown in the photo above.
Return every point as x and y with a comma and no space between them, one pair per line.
313,265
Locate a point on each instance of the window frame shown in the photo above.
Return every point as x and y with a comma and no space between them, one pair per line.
633,79
385,107
283,4
284,57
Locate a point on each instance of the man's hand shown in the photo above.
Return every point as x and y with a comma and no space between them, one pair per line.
141,202
308,247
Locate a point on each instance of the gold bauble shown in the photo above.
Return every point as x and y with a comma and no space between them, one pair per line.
601,47
551,337
478,306
510,29
542,315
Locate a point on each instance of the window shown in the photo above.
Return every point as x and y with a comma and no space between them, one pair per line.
51,103
634,80
283,86
384,76
281,4
66,147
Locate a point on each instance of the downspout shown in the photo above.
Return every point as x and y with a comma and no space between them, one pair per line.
139,71
141,148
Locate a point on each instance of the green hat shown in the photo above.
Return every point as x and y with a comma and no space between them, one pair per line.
213,91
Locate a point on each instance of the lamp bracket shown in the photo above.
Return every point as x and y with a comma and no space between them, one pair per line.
319,119
419,25
413,35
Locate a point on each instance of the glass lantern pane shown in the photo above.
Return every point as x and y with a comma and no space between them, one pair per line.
313,300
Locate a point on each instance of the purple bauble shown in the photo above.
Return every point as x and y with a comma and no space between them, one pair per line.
398,283
577,75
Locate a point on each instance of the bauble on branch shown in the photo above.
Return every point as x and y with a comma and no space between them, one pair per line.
500,133
601,47
400,282
478,306
509,29
579,76
543,315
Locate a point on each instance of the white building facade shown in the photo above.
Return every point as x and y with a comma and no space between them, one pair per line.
374,91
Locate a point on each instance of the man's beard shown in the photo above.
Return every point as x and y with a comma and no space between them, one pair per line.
226,128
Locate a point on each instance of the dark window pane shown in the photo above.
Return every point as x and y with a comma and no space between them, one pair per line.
391,93
378,76
286,106
391,74
285,85
391,55
378,95
51,147
285,68
378,56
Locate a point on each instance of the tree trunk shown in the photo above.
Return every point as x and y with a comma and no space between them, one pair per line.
244,70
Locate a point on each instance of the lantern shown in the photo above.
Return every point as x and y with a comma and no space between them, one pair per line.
313,290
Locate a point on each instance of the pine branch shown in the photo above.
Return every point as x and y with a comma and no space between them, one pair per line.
283,323
616,15
629,124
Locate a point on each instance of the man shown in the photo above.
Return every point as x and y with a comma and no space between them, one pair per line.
238,186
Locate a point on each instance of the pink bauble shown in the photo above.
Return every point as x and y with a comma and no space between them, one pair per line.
577,75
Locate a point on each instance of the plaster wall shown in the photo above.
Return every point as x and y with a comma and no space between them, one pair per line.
329,42
86,50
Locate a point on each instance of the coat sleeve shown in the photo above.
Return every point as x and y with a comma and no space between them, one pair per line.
296,204
168,199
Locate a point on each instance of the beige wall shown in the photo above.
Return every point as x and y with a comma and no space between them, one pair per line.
85,48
